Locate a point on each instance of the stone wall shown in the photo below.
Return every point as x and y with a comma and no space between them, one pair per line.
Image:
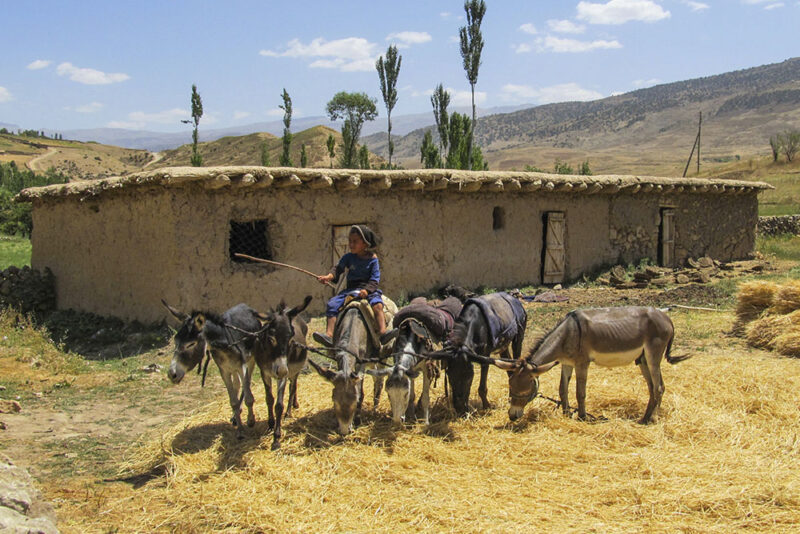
784,224
22,509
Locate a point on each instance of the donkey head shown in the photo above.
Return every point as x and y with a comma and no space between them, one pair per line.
189,343
523,383
408,344
347,390
276,335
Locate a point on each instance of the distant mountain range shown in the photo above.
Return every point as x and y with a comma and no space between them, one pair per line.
157,141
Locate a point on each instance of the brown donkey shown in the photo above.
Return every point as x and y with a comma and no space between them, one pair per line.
610,337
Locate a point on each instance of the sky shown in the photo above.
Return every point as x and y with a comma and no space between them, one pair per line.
74,64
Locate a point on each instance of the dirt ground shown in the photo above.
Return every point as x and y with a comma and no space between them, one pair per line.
74,428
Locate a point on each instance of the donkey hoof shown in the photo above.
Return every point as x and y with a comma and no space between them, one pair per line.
251,421
276,445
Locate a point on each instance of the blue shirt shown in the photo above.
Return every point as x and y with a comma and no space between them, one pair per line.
363,273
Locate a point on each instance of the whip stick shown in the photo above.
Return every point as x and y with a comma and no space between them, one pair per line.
262,260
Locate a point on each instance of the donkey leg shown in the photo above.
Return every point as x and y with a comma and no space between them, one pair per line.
247,393
295,404
653,355
270,403
581,372
483,390
642,363
357,415
411,414
377,389
276,437
232,386
425,397
292,402
563,388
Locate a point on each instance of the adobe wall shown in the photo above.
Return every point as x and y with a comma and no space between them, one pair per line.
119,254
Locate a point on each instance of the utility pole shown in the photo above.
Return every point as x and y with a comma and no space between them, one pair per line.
697,146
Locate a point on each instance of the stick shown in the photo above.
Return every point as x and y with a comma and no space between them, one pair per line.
695,308
262,260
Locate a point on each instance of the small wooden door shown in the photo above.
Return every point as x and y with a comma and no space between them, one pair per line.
553,264
667,238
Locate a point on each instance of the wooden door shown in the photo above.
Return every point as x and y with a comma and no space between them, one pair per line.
667,235
553,264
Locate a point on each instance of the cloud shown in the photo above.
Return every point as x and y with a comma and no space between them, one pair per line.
38,64
696,6
565,26
89,108
406,39
238,115
464,98
89,76
277,112
347,55
558,45
565,92
445,14
528,28
621,11
140,119
522,48
646,83
774,6
5,95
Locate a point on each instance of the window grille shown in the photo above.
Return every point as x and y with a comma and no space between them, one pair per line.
250,238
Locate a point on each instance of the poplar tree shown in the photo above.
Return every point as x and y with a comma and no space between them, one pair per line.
331,144
388,70
440,100
303,156
471,48
354,108
286,160
197,112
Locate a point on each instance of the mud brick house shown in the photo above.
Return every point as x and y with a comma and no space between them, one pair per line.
117,246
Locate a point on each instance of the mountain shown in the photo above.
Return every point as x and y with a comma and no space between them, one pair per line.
143,139
651,128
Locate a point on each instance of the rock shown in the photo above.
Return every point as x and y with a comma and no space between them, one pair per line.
660,282
618,271
10,406
152,368
626,285
21,506
682,279
557,286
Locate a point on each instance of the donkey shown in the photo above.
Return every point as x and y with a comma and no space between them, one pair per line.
416,328
281,354
353,349
486,324
609,337
226,339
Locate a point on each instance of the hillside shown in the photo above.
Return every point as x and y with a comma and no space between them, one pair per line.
651,130
77,159
246,150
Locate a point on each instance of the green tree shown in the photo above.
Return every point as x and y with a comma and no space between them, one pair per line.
458,154
286,160
303,156
388,70
355,109
562,167
363,157
429,154
440,100
197,112
584,169
331,144
265,160
791,143
775,145
471,47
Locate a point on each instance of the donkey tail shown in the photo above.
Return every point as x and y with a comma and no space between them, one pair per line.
675,359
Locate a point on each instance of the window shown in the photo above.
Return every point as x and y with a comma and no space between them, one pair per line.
498,218
250,238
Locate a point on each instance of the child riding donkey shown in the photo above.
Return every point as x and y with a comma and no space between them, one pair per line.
363,277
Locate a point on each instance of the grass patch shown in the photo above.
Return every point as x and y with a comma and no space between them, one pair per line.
782,247
14,250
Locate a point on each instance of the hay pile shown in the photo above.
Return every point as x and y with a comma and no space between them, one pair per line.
768,315
724,455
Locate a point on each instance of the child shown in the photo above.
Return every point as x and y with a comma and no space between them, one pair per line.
363,276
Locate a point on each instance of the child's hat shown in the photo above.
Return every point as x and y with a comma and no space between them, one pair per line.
366,234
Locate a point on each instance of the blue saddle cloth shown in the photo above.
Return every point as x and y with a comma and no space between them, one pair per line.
505,316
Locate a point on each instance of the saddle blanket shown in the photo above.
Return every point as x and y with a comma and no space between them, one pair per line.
504,314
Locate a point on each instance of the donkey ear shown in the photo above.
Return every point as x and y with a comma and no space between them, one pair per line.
506,365
324,372
199,321
177,314
294,311
541,369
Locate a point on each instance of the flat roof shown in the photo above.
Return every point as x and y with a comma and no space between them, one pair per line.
252,177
